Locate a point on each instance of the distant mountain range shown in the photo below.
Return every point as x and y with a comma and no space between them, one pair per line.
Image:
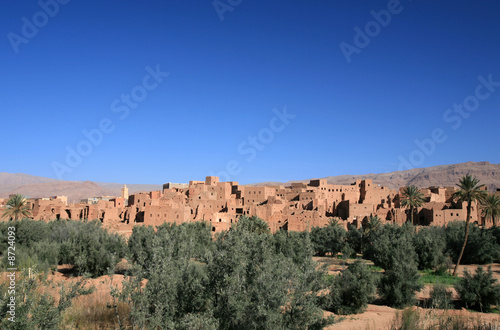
443,175
38,187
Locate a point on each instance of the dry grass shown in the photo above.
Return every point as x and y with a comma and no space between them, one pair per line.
95,311
417,318
98,310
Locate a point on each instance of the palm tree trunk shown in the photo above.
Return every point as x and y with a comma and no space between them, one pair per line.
465,239
411,215
494,221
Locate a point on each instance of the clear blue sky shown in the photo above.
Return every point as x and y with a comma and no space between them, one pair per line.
226,77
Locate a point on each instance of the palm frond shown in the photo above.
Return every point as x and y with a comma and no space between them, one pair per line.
17,208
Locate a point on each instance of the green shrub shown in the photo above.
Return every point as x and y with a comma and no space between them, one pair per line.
27,259
191,240
329,239
388,241
495,231
294,245
248,281
64,230
94,250
28,232
176,293
140,246
65,253
352,290
355,239
347,252
247,278
400,281
430,245
201,321
46,251
369,227
87,245
478,291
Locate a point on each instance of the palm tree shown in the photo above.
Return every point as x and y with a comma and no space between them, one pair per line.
372,224
412,198
491,208
17,207
470,191
253,224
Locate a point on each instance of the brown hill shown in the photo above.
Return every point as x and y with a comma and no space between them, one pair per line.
39,187
73,189
442,175
10,181
19,179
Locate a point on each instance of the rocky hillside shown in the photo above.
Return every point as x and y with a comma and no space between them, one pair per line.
443,175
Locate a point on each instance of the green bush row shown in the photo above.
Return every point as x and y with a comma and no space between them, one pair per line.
433,247
85,244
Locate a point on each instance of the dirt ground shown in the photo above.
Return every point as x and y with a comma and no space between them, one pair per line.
381,317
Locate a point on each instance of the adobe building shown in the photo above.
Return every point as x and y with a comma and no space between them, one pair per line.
297,207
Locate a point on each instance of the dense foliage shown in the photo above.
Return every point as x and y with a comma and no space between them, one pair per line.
330,239
352,290
191,240
354,239
388,241
246,278
85,244
400,280
430,245
479,291
482,245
